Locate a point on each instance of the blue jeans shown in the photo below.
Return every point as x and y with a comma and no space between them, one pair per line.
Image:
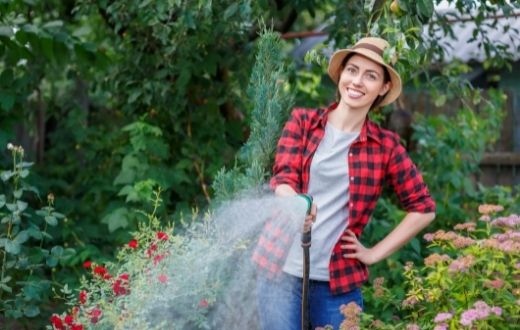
279,303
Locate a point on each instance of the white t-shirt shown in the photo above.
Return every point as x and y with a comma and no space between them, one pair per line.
328,185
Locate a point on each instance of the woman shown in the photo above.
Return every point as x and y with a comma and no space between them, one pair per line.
341,158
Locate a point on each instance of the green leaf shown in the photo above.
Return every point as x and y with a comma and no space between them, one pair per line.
24,173
35,233
52,221
18,193
5,288
31,311
425,8
116,219
6,31
6,175
22,237
52,261
53,24
12,247
6,101
6,279
57,251
21,205
230,11
2,201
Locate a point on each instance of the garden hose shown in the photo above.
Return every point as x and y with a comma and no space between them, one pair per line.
306,244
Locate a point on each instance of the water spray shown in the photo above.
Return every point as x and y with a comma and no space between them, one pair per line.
306,244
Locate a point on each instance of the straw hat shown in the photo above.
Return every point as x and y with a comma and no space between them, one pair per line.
371,48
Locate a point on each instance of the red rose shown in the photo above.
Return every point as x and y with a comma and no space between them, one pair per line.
76,327
162,236
124,276
203,303
87,264
133,244
68,319
82,297
56,322
107,276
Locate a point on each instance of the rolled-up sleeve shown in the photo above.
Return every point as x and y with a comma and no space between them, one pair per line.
408,183
287,165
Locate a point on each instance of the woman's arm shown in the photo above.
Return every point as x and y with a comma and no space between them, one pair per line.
410,226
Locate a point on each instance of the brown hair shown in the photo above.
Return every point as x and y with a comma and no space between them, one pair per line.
386,79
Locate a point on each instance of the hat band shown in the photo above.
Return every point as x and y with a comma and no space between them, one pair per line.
371,47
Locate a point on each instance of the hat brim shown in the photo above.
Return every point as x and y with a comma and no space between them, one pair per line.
338,57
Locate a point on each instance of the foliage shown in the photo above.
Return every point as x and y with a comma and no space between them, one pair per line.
270,101
468,281
27,245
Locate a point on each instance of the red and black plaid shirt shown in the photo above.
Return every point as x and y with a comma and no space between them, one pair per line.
375,157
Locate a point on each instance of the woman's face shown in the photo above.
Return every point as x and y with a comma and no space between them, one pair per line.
361,82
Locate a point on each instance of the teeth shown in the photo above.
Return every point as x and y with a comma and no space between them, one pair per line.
355,93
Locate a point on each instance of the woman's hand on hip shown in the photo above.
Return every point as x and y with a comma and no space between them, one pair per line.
352,248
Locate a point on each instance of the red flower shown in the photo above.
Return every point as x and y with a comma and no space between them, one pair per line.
107,276
151,250
82,297
76,327
87,264
162,236
56,322
157,259
203,303
68,319
162,278
100,270
120,286
133,244
95,315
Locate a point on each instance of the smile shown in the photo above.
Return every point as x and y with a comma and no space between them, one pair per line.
353,93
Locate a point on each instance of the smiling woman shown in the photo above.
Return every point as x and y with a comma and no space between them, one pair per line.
341,158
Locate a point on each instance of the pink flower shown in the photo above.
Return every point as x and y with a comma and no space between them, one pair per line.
496,310
442,326
428,237
467,317
133,244
496,284
412,326
163,278
442,317
162,236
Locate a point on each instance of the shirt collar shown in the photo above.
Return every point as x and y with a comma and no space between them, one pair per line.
369,129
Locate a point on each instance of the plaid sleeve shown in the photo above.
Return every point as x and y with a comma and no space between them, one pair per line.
408,183
288,159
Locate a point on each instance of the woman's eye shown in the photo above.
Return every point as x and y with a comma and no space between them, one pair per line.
372,77
351,70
